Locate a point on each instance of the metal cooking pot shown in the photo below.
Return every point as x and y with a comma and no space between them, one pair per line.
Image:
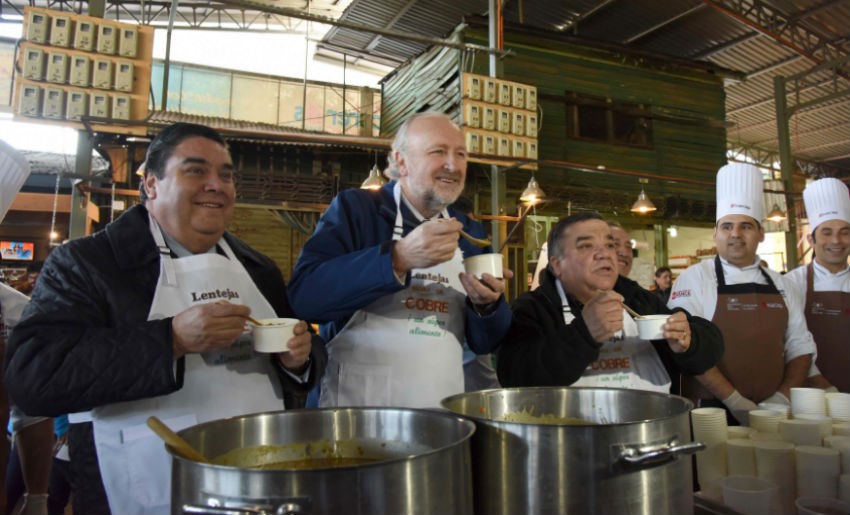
626,459
424,468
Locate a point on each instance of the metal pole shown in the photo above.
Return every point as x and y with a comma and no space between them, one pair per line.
497,178
167,64
786,165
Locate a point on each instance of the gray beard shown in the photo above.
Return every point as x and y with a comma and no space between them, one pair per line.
436,204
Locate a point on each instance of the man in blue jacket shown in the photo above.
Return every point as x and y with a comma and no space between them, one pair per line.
384,274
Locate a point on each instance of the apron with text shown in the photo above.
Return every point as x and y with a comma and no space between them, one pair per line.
828,318
134,465
403,349
753,319
625,361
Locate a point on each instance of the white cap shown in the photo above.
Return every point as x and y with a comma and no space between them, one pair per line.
740,190
826,199
14,170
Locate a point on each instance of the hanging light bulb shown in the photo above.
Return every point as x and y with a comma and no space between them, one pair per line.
643,205
776,214
673,231
375,180
532,194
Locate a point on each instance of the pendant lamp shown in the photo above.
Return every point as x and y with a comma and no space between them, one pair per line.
532,193
643,205
375,180
776,214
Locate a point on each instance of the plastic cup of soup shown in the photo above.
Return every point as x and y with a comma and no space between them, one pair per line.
273,334
484,264
650,327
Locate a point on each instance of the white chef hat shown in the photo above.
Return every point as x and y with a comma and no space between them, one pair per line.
826,199
740,189
14,170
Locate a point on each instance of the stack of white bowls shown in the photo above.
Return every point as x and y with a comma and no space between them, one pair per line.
808,401
842,445
785,409
841,428
736,432
818,469
844,487
775,462
838,406
740,457
765,421
801,431
709,425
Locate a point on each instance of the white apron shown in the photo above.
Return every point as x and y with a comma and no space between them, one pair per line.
403,349
625,361
134,465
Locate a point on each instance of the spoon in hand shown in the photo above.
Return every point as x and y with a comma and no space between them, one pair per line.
478,242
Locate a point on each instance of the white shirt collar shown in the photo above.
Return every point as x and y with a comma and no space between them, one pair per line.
742,268
822,270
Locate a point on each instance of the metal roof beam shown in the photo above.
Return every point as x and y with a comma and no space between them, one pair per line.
782,29
807,111
704,54
773,66
765,101
663,24
390,24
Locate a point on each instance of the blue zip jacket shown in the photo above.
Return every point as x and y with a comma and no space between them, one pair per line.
347,264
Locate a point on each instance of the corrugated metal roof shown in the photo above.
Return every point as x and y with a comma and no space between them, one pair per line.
762,40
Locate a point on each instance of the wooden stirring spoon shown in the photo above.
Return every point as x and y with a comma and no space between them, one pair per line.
176,441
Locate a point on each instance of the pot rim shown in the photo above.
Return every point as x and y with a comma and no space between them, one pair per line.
445,414
687,404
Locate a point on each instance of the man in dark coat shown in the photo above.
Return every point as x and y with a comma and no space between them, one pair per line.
148,317
573,329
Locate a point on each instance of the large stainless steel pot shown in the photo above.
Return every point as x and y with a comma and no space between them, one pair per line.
426,467
627,460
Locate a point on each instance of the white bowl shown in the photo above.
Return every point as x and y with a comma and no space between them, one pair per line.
650,327
273,334
484,264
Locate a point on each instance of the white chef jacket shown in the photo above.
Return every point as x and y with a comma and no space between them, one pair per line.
695,290
824,281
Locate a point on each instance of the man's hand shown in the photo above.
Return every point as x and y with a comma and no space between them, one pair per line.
677,330
486,290
603,315
740,407
299,349
429,244
207,326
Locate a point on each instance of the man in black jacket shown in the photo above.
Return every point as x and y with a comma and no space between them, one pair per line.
573,329
147,317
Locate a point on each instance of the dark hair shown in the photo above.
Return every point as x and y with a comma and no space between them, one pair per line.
166,141
661,270
555,242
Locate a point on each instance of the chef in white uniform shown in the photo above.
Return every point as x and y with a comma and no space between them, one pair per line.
148,317
825,282
768,347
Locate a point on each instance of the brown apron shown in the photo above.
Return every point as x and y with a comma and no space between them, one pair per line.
753,319
828,318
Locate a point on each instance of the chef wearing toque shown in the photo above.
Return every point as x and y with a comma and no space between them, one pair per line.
768,347
825,282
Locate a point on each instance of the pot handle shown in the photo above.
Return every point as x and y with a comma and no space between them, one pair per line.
287,508
643,456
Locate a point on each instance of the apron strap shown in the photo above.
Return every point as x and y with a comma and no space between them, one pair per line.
164,253
398,228
770,287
